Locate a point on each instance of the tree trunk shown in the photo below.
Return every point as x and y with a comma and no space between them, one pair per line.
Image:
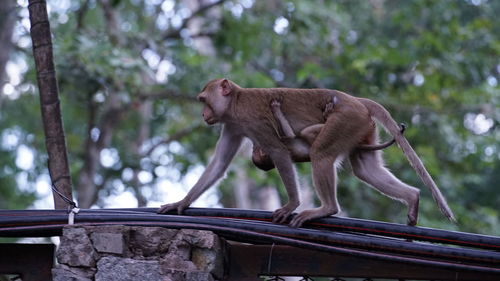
7,20
49,100
143,133
87,188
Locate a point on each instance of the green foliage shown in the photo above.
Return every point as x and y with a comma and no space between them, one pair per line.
434,64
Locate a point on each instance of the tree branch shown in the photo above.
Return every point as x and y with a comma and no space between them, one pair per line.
175,34
143,132
267,72
175,137
7,21
111,19
80,15
167,95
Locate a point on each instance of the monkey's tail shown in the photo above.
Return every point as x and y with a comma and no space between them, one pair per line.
383,116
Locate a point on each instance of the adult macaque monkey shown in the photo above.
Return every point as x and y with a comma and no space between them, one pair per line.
246,112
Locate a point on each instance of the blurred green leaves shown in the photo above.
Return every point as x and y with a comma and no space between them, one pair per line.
434,65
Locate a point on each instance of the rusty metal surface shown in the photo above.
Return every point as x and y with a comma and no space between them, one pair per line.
32,261
247,262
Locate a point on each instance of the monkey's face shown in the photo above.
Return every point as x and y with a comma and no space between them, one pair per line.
215,97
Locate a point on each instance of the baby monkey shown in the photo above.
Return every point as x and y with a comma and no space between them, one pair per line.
300,145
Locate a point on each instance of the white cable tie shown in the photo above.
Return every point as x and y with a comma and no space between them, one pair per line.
71,216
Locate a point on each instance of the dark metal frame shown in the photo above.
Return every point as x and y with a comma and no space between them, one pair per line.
248,262
33,262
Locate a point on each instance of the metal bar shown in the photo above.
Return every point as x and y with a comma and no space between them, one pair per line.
340,224
32,261
355,225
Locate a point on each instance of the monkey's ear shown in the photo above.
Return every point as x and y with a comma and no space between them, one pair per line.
226,87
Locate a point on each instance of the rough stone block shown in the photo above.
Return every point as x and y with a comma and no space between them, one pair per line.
112,243
126,269
175,262
150,241
66,273
199,238
180,249
75,248
199,276
117,229
174,275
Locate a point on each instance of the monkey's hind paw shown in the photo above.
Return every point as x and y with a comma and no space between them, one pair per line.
306,215
299,220
328,109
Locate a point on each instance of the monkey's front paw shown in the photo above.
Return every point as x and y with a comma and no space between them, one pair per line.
412,220
178,206
281,215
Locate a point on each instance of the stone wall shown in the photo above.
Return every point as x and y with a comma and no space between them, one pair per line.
116,252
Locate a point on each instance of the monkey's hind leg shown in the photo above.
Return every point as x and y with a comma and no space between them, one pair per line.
324,178
310,133
369,167
342,132
339,135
